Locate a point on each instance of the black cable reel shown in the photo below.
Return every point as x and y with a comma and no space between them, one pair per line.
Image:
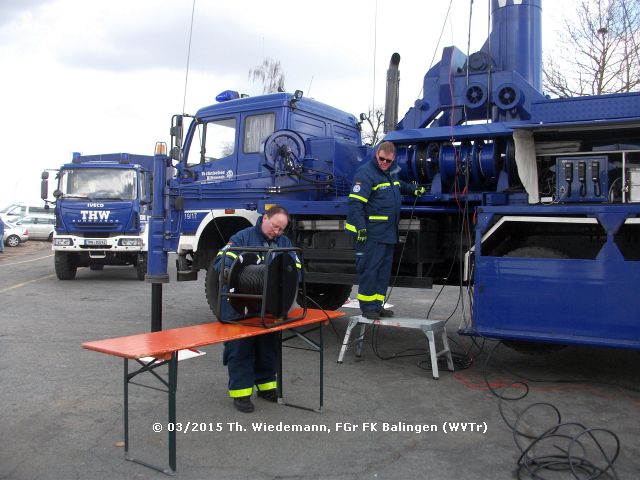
255,287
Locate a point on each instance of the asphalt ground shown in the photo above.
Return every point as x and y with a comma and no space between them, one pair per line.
61,405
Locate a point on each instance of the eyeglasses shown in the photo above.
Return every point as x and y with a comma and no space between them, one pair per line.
276,228
384,160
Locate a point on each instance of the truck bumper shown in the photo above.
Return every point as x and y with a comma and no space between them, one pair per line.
99,246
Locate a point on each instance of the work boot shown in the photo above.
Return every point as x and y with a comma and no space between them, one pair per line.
385,312
269,395
371,315
244,404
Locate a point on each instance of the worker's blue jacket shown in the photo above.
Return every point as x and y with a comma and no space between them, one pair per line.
253,237
375,200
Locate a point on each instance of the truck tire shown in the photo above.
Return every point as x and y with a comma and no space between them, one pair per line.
211,287
326,296
65,270
96,266
13,241
521,346
141,266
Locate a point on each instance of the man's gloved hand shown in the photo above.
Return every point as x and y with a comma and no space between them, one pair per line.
362,235
419,191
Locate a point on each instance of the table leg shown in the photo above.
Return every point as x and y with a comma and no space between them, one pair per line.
173,386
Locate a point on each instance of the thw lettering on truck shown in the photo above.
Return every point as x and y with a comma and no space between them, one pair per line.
95,215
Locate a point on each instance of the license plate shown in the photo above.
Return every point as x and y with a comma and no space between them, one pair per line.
95,243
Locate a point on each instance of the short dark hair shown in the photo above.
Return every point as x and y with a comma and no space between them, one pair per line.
387,147
275,209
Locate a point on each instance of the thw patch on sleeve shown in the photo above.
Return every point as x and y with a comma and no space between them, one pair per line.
356,188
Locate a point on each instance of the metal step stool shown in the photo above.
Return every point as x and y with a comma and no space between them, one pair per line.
429,327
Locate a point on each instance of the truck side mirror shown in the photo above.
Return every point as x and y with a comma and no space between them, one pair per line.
44,187
176,130
44,175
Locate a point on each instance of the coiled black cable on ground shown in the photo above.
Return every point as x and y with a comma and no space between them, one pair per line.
461,361
569,447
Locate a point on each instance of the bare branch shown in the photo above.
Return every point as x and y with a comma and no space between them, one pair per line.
270,73
598,51
373,123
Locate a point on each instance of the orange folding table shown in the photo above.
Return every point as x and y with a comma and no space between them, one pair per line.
163,348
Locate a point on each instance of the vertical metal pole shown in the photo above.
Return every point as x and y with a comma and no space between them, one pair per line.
279,384
158,235
126,408
173,386
321,366
156,307
623,187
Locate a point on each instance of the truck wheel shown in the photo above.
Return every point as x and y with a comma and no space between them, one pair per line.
96,266
65,270
13,241
534,348
141,266
211,287
325,295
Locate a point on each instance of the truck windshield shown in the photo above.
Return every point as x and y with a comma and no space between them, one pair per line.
98,184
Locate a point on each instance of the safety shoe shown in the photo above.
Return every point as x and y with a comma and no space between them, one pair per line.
385,312
371,315
243,404
269,395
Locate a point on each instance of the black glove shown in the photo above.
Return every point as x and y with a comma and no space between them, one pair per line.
362,235
418,192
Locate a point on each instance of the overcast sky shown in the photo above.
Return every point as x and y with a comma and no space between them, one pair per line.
99,76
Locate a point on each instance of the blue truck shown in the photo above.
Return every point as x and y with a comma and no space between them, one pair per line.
532,204
101,211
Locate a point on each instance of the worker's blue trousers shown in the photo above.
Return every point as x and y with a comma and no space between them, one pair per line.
373,264
251,361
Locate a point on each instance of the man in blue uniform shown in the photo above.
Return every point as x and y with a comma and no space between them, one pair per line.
374,214
253,361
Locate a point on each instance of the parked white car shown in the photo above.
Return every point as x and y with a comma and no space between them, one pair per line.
14,234
40,226
17,210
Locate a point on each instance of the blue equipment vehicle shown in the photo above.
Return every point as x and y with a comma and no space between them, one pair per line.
533,203
102,204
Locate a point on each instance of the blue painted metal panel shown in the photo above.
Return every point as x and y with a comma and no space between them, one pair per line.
597,108
561,300
591,302
82,217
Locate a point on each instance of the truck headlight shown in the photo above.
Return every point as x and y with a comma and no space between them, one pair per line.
130,242
62,242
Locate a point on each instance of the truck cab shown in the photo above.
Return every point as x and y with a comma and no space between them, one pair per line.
102,205
238,153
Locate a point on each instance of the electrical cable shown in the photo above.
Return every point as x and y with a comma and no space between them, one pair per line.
307,297
560,447
609,196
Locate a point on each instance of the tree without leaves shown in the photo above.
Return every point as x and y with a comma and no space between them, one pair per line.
600,51
373,122
270,73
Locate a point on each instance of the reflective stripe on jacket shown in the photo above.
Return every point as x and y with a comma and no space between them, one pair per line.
375,200
253,237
